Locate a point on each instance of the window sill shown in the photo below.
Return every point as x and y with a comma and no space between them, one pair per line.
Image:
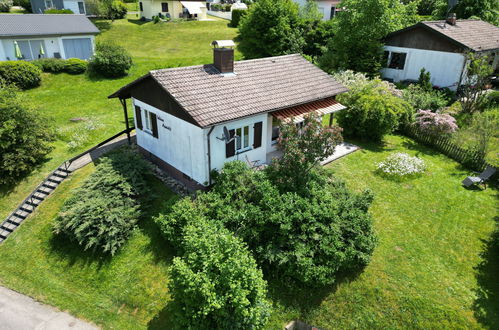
242,151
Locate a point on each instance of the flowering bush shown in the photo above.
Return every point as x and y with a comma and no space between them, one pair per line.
435,123
401,165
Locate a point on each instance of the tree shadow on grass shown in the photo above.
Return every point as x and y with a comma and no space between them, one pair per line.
420,148
102,25
305,299
486,306
137,21
73,253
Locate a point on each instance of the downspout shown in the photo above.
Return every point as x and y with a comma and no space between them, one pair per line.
209,155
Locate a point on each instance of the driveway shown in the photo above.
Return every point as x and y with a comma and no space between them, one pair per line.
20,312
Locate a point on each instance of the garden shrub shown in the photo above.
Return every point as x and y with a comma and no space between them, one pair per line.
58,11
52,65
110,61
372,111
306,238
493,99
422,99
435,123
75,66
25,136
5,6
401,165
118,10
22,74
216,283
424,81
237,14
101,214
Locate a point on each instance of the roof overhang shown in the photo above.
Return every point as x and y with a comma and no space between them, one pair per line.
194,7
34,35
296,114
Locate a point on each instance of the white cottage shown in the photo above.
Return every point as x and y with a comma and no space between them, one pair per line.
191,120
46,35
440,47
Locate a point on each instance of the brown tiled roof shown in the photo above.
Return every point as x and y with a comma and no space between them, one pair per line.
476,35
258,86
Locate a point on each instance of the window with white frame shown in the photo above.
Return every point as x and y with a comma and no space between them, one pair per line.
147,122
243,138
49,4
397,60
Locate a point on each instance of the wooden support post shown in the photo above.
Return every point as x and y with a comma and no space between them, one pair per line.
125,113
331,116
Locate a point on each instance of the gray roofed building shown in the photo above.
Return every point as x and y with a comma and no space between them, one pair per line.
439,47
14,25
193,120
34,36
257,86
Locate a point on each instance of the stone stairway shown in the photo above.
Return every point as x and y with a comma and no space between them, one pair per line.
37,196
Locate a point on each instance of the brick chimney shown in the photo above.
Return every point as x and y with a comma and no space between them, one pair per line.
451,19
223,55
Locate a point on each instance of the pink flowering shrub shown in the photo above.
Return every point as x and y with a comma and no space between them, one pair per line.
435,123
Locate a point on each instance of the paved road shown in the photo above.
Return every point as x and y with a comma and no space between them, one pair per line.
20,312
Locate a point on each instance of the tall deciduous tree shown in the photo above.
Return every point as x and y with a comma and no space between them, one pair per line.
270,28
357,44
487,10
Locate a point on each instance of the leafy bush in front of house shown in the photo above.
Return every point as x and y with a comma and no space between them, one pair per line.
101,214
25,136
5,6
493,99
420,98
435,123
52,65
237,14
216,283
58,11
22,74
401,165
110,61
308,238
372,111
75,66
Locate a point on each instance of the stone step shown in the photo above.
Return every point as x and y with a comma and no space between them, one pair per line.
4,233
26,207
21,214
62,169
14,220
61,174
34,202
39,195
8,227
55,179
50,184
45,190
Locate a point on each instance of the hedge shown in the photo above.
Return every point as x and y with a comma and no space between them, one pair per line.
237,14
22,74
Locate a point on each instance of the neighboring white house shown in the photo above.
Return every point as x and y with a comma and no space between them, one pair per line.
328,8
191,120
440,48
173,9
46,35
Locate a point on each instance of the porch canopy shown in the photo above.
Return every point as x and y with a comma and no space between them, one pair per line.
321,107
193,7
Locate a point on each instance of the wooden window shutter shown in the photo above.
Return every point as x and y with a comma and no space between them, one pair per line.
230,148
154,125
138,117
257,138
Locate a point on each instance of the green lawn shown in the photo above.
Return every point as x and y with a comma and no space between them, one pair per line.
63,96
430,270
433,262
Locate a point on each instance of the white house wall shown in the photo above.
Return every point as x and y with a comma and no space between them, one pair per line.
218,147
52,45
445,67
73,6
323,5
179,143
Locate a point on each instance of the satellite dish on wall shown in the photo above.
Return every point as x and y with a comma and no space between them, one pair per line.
226,136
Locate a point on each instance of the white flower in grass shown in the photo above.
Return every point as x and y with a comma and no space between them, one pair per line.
401,164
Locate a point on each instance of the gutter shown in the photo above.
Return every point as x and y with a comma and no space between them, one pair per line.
209,155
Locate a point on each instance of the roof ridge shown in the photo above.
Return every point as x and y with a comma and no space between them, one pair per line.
240,61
